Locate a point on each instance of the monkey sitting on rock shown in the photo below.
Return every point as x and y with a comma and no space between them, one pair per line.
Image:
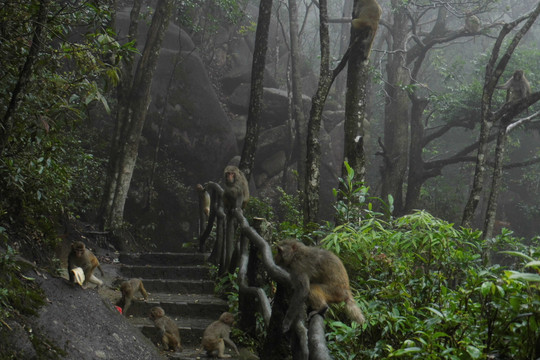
319,277
81,257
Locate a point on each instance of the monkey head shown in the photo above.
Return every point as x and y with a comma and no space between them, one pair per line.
230,175
156,312
77,248
518,74
286,251
227,318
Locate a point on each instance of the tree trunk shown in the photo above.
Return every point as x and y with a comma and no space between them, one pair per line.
297,103
131,118
494,69
257,77
355,107
26,73
396,118
313,158
491,210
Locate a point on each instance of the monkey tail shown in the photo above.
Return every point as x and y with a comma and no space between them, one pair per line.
354,312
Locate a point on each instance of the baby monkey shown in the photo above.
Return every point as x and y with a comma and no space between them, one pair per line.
217,334
319,277
81,257
128,289
168,330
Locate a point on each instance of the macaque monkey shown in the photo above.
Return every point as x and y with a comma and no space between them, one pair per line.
517,87
217,334
81,257
168,330
367,15
236,194
472,23
319,276
204,199
128,289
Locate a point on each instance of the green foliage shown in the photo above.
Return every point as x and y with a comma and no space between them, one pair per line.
44,171
427,294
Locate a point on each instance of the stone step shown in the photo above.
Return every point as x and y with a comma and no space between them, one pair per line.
179,286
165,272
191,329
164,259
205,307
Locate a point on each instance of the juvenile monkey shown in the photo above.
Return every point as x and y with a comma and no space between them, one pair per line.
517,87
366,16
217,334
128,289
319,277
236,192
472,23
80,256
204,199
168,330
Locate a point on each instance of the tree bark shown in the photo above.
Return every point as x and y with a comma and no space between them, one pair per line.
297,102
396,118
313,157
131,118
257,76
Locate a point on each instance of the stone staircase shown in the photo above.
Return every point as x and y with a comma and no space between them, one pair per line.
179,283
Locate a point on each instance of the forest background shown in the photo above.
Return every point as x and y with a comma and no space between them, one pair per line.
80,108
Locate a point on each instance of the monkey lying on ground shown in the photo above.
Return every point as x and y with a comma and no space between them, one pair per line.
318,276
168,330
81,257
217,334
128,289
236,191
517,87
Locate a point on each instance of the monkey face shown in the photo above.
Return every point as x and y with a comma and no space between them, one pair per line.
230,177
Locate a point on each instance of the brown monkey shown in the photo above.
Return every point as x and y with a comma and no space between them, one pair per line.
217,334
168,330
517,87
128,289
236,192
80,256
367,15
204,199
472,23
318,276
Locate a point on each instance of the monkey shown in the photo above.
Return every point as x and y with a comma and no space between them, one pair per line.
168,330
319,276
204,199
217,334
472,24
517,87
236,192
366,16
128,289
80,256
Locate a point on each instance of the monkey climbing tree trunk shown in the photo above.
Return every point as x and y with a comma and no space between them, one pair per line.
257,77
40,24
494,70
130,120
